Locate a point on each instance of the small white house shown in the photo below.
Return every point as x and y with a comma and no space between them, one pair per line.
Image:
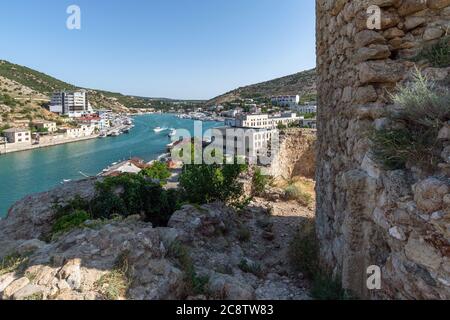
17,135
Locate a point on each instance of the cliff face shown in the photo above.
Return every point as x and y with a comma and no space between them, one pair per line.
397,220
297,155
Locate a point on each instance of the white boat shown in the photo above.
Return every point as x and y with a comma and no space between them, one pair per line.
172,132
158,129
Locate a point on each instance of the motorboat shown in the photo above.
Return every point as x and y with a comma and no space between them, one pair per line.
158,129
172,132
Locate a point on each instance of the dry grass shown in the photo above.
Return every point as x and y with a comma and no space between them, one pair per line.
298,188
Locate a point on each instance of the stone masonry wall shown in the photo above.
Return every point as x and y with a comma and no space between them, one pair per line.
397,220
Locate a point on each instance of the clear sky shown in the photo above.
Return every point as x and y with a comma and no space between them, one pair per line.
186,49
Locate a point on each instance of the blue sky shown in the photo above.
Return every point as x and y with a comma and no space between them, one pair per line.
187,49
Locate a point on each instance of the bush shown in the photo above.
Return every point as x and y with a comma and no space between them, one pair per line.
438,54
69,222
303,254
424,108
259,182
158,171
7,100
304,250
209,183
130,194
195,284
294,192
12,263
121,196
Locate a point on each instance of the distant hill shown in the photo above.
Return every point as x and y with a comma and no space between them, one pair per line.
24,83
302,83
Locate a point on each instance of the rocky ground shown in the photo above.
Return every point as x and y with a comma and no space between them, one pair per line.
206,252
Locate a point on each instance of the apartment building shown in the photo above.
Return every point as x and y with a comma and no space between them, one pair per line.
264,121
74,104
248,143
286,101
17,135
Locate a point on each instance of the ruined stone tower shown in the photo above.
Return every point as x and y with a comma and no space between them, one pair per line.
367,216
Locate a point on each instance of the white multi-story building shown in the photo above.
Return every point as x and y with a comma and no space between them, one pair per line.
264,121
286,101
305,109
73,104
248,143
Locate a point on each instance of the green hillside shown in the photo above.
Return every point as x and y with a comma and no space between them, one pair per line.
302,83
35,80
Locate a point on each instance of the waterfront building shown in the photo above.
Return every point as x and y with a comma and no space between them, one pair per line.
286,101
43,124
74,104
265,121
101,123
17,135
81,131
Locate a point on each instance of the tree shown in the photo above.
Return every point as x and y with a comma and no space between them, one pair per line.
158,171
208,183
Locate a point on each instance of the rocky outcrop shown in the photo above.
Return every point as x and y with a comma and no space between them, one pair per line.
297,155
223,254
397,220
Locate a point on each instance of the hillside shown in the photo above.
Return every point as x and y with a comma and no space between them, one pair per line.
302,83
30,89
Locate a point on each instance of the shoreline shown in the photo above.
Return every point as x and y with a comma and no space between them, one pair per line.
4,151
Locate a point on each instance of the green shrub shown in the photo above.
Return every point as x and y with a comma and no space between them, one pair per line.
123,196
293,192
12,263
438,54
304,250
195,284
69,222
209,183
303,255
8,100
259,182
424,108
158,171
130,194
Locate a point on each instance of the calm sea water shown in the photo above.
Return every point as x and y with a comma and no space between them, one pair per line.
40,170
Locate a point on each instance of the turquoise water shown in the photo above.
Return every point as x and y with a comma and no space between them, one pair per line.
40,170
